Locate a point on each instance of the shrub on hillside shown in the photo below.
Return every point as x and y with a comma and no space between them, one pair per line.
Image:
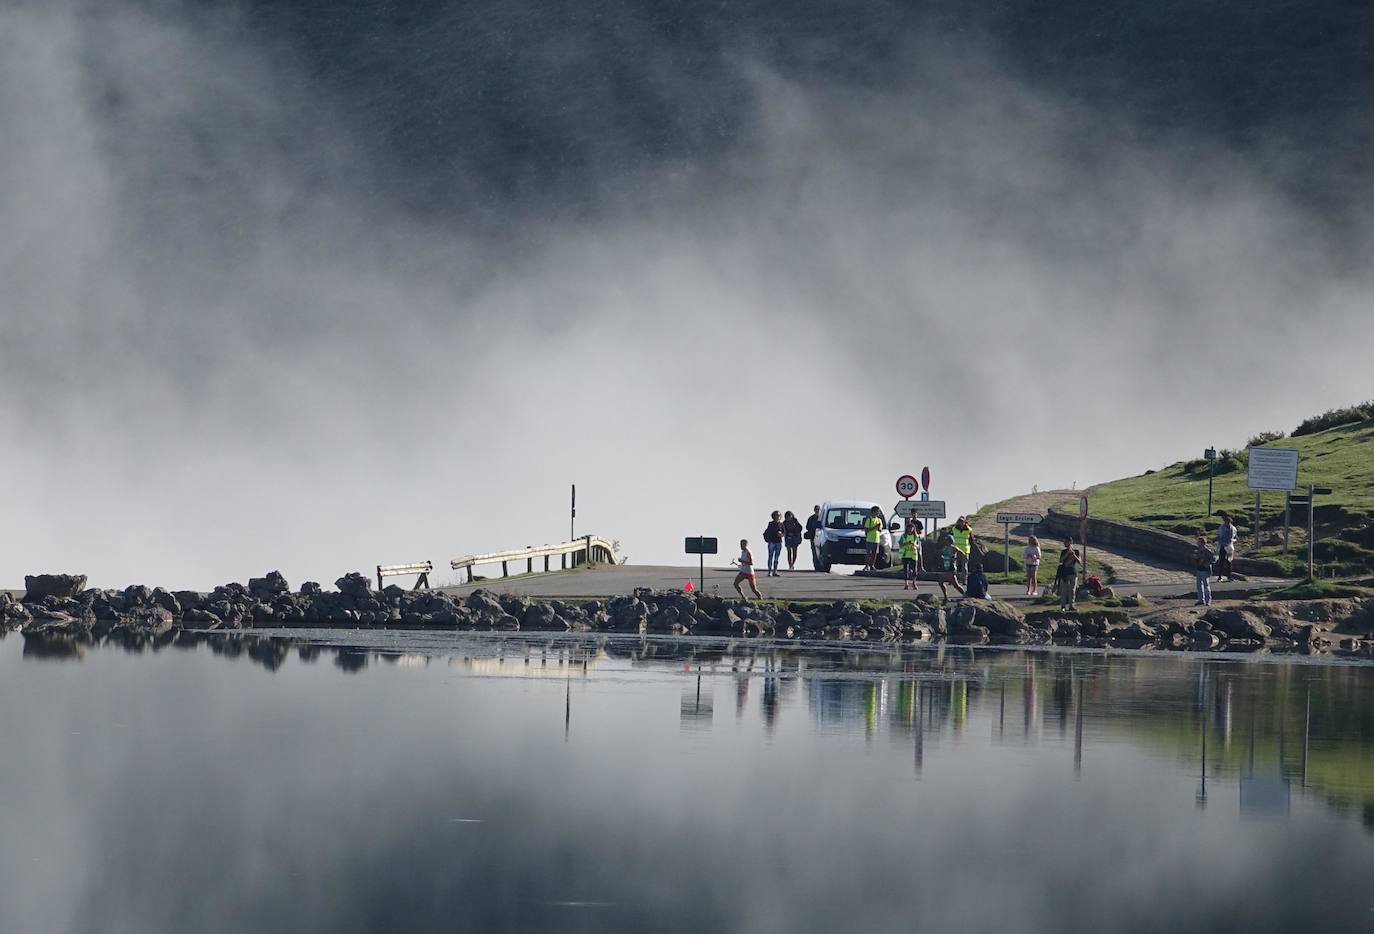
1265,437
1335,417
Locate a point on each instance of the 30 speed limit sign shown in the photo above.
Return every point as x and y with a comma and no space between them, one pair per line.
907,486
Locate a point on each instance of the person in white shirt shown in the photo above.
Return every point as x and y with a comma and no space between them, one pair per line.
746,570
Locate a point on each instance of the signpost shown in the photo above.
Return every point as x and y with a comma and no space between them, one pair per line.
1210,455
1083,530
702,546
920,508
1008,519
1270,469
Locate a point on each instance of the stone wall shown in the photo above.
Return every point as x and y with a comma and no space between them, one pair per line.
1143,540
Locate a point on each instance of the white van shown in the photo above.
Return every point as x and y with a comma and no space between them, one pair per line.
840,539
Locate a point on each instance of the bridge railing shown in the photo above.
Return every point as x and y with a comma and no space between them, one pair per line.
585,550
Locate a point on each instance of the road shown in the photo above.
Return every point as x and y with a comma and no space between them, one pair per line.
616,580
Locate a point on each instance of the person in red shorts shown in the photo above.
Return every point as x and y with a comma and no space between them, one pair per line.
746,570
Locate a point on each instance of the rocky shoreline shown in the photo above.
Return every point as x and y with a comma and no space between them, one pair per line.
58,609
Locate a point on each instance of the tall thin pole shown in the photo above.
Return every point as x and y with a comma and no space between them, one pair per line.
1211,469
1311,528
572,520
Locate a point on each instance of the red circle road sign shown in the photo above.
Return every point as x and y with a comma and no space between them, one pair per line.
925,479
906,486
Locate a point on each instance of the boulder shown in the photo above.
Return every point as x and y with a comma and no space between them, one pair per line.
1136,631
266,587
1237,623
355,585
38,586
165,600
482,602
999,618
311,588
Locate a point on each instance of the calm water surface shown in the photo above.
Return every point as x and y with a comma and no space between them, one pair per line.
456,782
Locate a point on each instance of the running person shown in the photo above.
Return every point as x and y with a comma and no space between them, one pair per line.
746,571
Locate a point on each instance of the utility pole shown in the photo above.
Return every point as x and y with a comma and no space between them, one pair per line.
1210,455
572,521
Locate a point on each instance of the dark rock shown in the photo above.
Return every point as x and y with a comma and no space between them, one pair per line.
540,616
1134,631
997,617
200,619
354,584
38,586
311,588
1238,623
167,601
266,587
482,602
136,595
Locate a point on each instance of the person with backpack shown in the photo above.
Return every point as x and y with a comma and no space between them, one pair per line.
1203,560
813,523
791,538
1066,577
1226,546
772,536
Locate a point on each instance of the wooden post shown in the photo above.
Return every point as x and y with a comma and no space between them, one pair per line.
588,540
469,570
504,571
1006,552
379,577
546,564
529,565
563,560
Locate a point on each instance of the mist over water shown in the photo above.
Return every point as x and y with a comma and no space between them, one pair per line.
285,287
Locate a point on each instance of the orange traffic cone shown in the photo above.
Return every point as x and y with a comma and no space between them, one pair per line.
688,587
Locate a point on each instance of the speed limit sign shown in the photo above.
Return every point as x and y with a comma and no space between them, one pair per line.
907,486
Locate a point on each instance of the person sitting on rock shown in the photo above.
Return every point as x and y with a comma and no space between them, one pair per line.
977,586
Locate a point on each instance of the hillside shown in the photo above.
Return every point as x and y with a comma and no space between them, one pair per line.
1341,457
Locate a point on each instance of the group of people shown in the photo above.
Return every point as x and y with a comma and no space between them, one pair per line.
1206,560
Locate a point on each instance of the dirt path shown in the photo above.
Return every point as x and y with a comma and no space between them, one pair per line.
1130,568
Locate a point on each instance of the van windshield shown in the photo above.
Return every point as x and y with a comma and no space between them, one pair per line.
851,518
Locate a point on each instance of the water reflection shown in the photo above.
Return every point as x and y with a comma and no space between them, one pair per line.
457,781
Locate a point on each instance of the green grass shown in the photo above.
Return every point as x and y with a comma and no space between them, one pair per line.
1317,590
1342,458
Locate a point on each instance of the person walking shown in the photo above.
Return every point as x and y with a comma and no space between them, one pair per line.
909,547
745,561
1204,558
1066,577
791,538
1030,557
873,536
1226,546
772,537
813,524
963,538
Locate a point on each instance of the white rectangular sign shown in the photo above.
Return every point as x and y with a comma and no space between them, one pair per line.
1273,468
921,509
1020,518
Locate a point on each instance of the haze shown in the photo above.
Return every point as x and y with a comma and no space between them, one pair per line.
254,317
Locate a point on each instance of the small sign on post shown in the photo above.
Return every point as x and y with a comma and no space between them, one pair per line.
920,508
906,486
701,546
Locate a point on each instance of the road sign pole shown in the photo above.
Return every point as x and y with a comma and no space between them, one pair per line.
1287,506
1255,541
1211,468
702,574
1311,527
572,519
1006,552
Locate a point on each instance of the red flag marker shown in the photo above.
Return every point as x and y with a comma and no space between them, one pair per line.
688,587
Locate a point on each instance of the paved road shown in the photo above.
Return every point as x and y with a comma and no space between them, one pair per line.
796,585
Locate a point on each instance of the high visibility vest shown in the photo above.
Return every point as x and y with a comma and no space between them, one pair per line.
961,537
874,529
908,545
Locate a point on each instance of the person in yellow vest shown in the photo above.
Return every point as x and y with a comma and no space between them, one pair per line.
909,545
873,536
963,542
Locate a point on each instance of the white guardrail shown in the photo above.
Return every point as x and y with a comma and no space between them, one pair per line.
585,550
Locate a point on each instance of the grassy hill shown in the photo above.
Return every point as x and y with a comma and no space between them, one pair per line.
1336,450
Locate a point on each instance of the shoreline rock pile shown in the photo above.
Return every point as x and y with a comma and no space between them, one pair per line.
60,607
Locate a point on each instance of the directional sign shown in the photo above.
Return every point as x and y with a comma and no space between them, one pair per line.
906,486
1020,518
697,545
1273,468
925,479
921,509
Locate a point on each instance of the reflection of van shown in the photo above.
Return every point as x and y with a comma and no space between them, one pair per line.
840,539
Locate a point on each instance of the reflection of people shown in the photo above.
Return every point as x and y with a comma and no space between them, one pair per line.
873,535
1203,559
1226,547
1031,557
772,537
746,570
813,522
792,538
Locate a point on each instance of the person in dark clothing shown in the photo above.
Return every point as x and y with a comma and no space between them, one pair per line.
1066,577
791,538
813,522
772,536
1204,558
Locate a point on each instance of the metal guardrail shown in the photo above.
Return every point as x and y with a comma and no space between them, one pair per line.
587,549
401,570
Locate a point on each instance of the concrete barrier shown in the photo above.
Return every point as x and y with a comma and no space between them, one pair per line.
1166,547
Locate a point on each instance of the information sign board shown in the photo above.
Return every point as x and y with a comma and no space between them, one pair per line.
1273,468
921,508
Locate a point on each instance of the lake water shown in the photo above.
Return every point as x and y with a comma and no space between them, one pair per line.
419,782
